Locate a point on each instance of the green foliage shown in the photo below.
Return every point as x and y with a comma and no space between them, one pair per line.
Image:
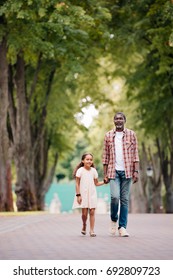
142,47
61,41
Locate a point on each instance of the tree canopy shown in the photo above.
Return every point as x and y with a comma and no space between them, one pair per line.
58,57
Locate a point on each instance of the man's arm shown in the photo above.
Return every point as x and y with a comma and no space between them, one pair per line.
105,169
136,162
136,166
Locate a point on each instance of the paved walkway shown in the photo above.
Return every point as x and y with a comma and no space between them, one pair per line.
57,237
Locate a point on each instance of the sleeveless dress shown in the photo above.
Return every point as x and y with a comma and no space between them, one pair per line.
87,188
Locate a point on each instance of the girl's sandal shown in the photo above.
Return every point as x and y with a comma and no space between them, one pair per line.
92,234
83,231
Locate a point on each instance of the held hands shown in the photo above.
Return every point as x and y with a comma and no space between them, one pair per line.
106,180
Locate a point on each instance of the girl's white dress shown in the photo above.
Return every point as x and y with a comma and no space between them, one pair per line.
87,188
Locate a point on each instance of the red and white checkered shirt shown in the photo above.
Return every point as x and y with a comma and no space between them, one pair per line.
130,152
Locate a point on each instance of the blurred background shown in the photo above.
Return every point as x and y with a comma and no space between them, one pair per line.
60,197
65,69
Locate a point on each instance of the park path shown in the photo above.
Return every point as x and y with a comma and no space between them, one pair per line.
44,236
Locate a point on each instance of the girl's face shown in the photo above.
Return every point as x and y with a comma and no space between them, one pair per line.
88,161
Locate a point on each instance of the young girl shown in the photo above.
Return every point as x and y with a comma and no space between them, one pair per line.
86,196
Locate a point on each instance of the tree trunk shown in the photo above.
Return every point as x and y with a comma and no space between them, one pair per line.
6,203
169,192
140,189
25,189
156,182
149,197
167,172
30,143
43,177
46,184
169,202
43,173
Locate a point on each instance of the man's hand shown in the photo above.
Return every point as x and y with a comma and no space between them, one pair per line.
135,177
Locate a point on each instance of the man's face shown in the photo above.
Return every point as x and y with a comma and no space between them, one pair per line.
119,122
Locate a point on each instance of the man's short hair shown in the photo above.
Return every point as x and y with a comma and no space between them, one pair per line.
122,114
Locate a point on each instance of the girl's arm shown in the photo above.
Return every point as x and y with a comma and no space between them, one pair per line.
77,185
78,194
97,183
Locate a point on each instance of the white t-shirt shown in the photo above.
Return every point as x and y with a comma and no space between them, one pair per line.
119,161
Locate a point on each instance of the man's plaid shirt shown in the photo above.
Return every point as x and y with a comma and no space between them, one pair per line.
130,152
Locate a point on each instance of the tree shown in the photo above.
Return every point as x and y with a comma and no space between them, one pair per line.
46,41
148,45
6,203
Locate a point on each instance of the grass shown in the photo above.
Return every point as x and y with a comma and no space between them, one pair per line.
25,213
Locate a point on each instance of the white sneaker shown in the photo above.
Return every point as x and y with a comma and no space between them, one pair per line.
123,232
113,228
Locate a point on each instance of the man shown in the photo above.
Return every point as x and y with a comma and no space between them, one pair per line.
121,168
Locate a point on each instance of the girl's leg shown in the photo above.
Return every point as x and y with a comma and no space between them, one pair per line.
92,221
84,219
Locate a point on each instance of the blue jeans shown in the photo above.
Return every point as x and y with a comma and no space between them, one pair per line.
120,190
